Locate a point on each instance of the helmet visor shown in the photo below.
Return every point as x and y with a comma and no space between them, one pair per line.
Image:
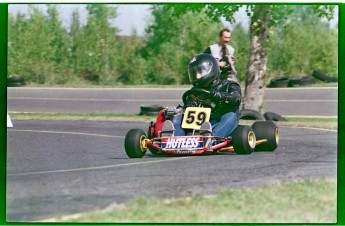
199,71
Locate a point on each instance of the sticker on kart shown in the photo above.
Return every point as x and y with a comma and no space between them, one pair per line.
194,117
182,143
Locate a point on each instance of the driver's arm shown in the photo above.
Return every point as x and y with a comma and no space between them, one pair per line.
232,95
190,102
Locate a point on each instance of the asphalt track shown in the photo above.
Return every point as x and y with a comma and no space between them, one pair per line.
57,168
284,101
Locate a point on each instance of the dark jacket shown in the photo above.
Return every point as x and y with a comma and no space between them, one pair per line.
226,98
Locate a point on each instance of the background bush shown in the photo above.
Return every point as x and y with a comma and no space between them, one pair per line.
42,51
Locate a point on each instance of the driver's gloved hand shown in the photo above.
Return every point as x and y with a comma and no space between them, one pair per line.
191,103
233,97
217,96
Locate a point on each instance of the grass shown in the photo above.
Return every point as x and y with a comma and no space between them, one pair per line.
315,122
305,201
325,123
322,123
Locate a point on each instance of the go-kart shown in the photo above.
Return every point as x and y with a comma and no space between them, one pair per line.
261,136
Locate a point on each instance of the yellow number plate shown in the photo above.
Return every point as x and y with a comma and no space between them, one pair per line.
194,117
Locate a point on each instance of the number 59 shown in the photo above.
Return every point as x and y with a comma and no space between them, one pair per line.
194,117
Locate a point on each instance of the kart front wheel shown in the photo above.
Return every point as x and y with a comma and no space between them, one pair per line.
269,131
135,146
243,139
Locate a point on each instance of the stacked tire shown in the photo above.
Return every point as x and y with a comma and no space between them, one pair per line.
15,81
271,116
150,109
323,77
279,82
285,81
301,81
291,82
249,114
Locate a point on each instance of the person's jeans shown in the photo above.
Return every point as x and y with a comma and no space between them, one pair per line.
222,128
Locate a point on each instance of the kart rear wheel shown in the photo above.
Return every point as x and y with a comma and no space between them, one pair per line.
135,146
243,139
266,130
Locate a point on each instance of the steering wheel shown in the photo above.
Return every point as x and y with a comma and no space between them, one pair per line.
197,92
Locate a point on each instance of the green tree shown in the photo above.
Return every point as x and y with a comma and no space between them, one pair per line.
76,36
306,44
241,43
16,26
36,48
263,18
171,42
97,51
132,67
59,44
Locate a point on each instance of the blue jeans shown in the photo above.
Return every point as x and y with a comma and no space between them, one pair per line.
222,128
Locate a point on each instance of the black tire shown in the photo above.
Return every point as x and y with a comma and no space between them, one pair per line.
149,112
249,114
15,81
243,139
307,80
279,82
302,81
323,77
133,143
295,82
151,108
150,136
271,116
17,84
266,130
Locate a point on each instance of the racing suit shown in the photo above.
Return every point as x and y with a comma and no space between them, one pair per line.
224,109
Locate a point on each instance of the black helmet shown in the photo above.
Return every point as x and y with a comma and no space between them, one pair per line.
203,69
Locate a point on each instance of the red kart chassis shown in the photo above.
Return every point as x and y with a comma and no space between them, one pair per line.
260,136
221,147
223,144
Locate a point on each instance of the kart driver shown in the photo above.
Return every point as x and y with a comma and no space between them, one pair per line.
204,73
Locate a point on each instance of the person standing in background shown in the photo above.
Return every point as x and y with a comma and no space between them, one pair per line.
224,54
